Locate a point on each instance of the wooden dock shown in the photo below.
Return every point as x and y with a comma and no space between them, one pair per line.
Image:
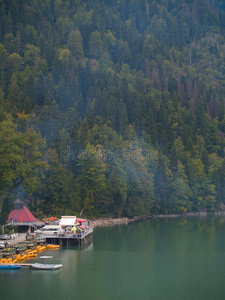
68,239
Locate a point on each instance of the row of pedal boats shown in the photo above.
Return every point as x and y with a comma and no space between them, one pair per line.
29,254
12,263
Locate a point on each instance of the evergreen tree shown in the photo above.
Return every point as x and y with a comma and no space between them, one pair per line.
92,182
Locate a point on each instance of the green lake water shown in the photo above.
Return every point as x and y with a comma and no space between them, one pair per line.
168,258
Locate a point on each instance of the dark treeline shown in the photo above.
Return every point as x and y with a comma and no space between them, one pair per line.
113,108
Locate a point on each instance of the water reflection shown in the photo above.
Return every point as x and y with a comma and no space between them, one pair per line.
168,235
180,258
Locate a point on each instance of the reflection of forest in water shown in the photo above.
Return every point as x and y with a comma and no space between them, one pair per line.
171,235
159,258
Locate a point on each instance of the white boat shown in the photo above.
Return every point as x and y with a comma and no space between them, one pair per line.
46,266
46,256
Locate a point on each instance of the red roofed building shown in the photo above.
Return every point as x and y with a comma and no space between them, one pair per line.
21,216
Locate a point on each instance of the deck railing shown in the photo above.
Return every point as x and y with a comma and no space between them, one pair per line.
71,235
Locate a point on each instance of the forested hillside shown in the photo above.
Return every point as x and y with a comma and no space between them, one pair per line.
112,108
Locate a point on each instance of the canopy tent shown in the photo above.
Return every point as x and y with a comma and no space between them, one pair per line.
74,228
82,227
82,221
50,219
68,221
78,228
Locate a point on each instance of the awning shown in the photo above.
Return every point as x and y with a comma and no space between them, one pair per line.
52,219
23,224
82,220
32,224
68,221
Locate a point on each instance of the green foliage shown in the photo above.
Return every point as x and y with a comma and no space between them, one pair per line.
20,157
96,78
75,44
7,207
58,187
91,180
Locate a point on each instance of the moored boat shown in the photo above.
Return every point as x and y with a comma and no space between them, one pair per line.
9,266
40,248
53,247
46,266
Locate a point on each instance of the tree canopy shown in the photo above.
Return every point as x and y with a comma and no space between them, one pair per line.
126,96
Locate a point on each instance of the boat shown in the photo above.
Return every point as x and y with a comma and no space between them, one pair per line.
46,266
40,248
21,257
53,247
9,266
8,260
46,256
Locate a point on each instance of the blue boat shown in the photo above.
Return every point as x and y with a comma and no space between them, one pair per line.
9,266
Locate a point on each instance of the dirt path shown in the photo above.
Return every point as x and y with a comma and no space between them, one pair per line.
19,238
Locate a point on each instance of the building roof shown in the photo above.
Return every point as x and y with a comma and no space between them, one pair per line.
68,220
22,216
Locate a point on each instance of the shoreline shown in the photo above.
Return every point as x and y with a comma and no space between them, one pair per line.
109,221
118,221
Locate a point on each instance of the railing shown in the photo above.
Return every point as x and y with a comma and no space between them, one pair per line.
68,235
75,235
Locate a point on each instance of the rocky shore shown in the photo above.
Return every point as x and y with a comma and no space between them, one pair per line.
109,221
117,221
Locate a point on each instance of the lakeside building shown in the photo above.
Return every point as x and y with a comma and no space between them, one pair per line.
23,218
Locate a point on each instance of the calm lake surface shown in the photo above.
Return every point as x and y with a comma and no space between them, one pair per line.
169,258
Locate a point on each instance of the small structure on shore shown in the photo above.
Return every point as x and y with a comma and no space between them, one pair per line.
21,216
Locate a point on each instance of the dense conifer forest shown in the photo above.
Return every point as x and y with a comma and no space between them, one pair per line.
112,108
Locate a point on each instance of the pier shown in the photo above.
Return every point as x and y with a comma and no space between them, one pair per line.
22,242
68,239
